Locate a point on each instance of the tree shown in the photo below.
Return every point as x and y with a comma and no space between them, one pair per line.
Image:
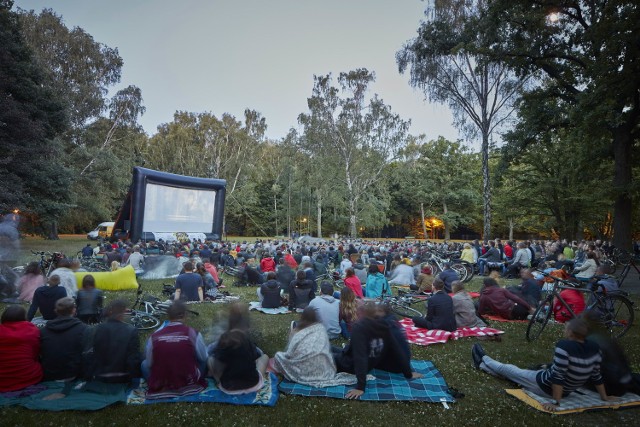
480,92
361,135
589,55
32,176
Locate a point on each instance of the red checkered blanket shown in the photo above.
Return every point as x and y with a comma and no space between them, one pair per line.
421,336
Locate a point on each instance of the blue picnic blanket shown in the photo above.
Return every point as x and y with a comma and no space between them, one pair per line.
266,396
386,386
82,397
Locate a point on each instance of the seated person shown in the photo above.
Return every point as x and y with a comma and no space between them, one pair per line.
284,274
176,357
212,270
62,343
463,308
521,260
189,285
19,350
529,289
210,285
424,281
116,348
301,291
402,274
328,309
501,302
448,276
308,359
377,284
252,276
31,281
439,310
588,269
349,311
373,345
352,282
269,292
89,301
576,361
45,297
237,364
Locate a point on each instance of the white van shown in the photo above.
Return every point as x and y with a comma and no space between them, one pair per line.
103,230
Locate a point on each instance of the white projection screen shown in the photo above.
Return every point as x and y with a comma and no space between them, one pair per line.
175,209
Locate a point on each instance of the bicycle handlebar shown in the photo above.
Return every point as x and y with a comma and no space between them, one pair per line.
557,279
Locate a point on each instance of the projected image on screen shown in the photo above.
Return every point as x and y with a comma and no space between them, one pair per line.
171,209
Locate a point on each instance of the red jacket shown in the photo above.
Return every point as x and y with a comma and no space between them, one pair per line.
508,251
499,301
19,354
290,261
267,264
211,269
354,284
574,299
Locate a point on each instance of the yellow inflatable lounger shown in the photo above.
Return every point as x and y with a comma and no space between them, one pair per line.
119,280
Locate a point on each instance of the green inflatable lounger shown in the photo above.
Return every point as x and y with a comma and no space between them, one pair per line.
119,280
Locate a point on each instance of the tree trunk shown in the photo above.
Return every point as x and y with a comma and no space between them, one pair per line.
53,231
510,228
622,179
319,221
275,210
447,235
289,206
486,188
424,226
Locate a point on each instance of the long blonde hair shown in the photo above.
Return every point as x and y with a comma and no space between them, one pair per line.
348,306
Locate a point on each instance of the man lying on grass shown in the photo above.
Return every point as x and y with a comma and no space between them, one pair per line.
576,361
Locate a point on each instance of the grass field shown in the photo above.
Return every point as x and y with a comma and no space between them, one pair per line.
485,403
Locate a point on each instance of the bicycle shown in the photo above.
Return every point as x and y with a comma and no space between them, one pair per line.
401,304
331,277
464,269
614,309
141,319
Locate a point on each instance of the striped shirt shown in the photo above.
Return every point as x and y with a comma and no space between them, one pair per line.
574,364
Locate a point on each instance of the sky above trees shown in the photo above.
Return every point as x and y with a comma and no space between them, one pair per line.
225,56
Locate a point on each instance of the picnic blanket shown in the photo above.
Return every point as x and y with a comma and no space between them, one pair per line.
83,396
266,396
502,319
386,386
421,336
579,401
255,305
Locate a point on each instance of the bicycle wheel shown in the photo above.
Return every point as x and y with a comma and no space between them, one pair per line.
617,314
404,310
141,320
339,284
470,270
539,319
461,270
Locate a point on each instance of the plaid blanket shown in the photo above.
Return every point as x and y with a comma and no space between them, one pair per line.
579,401
266,396
255,305
386,386
421,336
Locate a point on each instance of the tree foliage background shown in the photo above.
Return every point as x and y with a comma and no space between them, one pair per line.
70,135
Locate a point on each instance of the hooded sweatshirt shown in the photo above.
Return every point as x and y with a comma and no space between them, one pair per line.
19,348
61,343
328,310
499,301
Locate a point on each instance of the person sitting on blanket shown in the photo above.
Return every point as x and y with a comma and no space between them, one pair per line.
308,359
45,297
61,343
176,357
116,348
448,276
402,275
463,308
301,291
269,292
19,350
575,362
237,364
439,311
352,282
328,309
499,301
350,308
189,285
529,289
373,345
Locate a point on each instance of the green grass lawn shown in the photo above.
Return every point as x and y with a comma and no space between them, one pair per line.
485,403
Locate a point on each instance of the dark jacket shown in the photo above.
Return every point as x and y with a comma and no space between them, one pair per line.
440,314
300,293
61,344
270,291
373,345
44,299
448,276
499,301
116,352
285,275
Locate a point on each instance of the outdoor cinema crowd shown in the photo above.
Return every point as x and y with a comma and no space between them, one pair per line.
82,341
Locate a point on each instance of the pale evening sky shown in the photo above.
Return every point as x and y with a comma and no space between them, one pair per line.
227,55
